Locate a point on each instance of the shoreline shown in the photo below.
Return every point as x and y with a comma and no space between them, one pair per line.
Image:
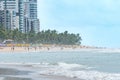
52,48
41,66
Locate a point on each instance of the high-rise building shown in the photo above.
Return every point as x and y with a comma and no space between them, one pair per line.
1,5
9,8
21,14
1,17
1,13
30,13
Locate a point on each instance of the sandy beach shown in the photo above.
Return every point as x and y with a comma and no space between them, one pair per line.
59,63
35,49
23,72
48,48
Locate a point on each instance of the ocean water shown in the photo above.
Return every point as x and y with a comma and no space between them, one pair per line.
86,65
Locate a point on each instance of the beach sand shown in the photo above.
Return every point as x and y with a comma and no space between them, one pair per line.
48,48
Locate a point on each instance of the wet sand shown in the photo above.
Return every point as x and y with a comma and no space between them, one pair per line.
16,78
11,74
23,72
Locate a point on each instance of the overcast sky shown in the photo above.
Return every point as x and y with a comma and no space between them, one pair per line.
97,21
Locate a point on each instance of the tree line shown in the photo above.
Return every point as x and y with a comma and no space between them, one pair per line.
43,37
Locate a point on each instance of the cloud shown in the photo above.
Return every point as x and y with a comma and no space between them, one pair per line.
84,12
111,4
108,5
98,21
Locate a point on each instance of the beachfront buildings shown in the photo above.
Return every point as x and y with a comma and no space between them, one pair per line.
8,13
1,13
19,14
30,18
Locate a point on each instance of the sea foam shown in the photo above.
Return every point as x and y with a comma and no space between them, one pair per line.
67,70
64,69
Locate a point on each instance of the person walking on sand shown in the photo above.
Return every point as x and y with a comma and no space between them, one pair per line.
48,48
28,48
35,48
12,48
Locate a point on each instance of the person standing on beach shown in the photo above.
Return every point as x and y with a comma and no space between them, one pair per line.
35,48
12,48
28,48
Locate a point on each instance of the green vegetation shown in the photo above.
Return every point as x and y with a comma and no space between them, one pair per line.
43,37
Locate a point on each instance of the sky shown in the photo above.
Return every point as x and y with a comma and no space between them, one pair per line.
97,21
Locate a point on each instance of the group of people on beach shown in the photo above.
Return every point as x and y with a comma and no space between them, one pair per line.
12,48
26,48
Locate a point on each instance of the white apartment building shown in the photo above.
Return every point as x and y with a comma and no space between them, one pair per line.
30,13
10,7
21,14
1,5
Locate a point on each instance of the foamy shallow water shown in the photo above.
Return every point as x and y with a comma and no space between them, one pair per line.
80,65
37,71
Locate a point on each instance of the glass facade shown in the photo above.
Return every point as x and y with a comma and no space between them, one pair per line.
1,17
33,10
21,15
32,22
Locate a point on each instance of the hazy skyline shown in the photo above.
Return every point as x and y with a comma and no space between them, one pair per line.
98,22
